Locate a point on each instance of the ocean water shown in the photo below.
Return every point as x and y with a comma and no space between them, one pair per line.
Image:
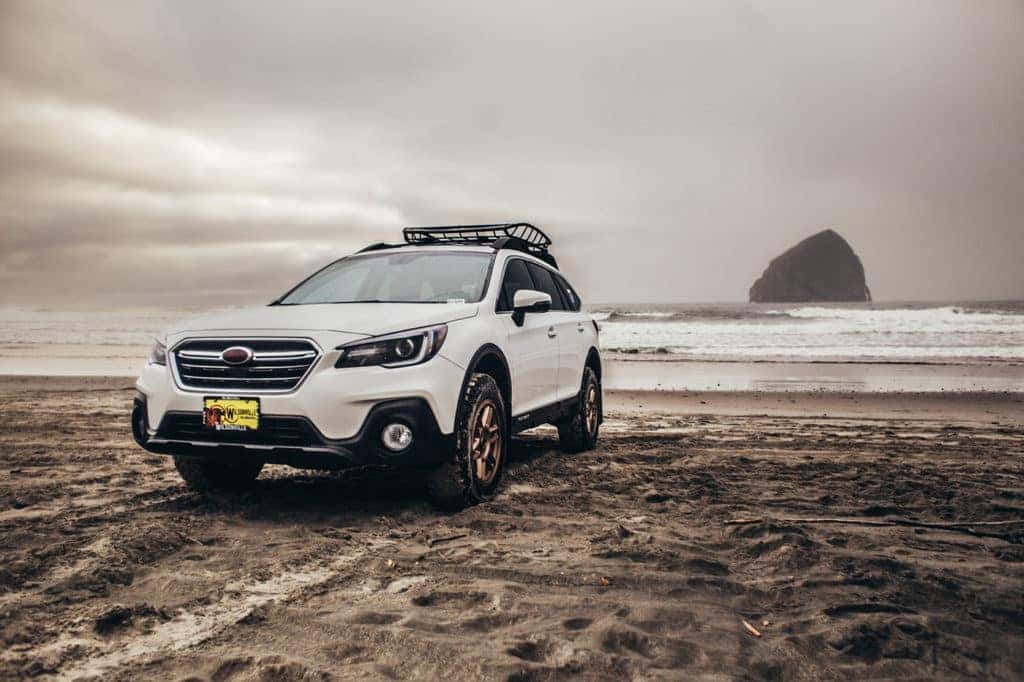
955,333
873,347
37,340
28,326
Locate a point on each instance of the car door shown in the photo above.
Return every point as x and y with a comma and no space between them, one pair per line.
574,353
562,321
533,347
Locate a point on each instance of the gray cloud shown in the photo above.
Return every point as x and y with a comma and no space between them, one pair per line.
170,151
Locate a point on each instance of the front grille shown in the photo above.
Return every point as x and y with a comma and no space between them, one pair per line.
277,365
293,432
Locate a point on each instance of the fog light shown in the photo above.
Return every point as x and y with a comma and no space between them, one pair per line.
396,437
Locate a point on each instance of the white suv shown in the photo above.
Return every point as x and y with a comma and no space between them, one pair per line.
426,354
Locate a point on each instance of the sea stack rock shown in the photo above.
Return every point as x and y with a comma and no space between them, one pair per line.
820,268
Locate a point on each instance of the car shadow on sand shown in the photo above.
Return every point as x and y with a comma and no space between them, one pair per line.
287,494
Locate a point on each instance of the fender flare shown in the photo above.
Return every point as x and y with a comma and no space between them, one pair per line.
487,351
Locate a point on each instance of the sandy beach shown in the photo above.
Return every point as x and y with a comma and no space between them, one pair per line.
710,535
759,261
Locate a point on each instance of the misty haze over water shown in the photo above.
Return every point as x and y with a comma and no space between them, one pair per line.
956,333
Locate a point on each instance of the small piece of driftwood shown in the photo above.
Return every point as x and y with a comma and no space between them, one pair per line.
750,628
446,538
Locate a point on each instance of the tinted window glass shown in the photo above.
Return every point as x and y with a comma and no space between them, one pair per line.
572,301
516,277
545,283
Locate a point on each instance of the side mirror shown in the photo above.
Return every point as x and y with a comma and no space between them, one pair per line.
529,301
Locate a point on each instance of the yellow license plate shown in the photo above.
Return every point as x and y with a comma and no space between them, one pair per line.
231,414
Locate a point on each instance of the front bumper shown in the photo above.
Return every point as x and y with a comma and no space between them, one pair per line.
332,419
296,441
337,401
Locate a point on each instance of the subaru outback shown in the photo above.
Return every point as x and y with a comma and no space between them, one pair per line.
431,354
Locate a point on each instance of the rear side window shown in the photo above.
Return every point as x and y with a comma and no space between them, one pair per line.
572,300
546,283
516,277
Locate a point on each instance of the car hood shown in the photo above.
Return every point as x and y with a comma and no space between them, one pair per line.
366,319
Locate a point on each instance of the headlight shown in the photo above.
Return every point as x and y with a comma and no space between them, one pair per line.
158,355
395,350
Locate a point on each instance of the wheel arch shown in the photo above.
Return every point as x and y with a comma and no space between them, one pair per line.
489,359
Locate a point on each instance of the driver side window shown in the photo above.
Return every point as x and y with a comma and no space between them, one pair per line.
516,277
545,282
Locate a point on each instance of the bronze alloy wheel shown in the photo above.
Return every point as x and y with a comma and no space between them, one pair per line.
485,443
590,409
577,431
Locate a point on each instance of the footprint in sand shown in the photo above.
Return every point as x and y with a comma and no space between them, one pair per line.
451,599
577,623
528,651
374,618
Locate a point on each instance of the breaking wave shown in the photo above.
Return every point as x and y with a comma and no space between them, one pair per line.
856,332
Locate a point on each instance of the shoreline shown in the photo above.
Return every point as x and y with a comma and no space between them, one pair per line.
782,377
618,356
975,407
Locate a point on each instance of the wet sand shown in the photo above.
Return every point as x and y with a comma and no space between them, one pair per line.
859,535
667,374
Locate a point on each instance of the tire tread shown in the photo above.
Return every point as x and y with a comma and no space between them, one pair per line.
202,475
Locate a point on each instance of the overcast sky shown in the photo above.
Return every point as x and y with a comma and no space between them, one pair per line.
193,151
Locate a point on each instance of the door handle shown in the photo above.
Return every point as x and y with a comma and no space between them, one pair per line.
580,327
552,333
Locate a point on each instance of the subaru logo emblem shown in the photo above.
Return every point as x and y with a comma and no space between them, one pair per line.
236,355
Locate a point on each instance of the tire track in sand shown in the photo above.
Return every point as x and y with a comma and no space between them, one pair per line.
191,628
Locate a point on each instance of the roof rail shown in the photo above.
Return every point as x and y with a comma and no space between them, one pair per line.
518,236
377,247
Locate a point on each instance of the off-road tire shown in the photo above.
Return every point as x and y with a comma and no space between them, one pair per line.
573,433
203,475
454,485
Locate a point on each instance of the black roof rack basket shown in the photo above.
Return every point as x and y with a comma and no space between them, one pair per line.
519,236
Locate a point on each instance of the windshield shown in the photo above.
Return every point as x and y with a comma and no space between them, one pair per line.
422,277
